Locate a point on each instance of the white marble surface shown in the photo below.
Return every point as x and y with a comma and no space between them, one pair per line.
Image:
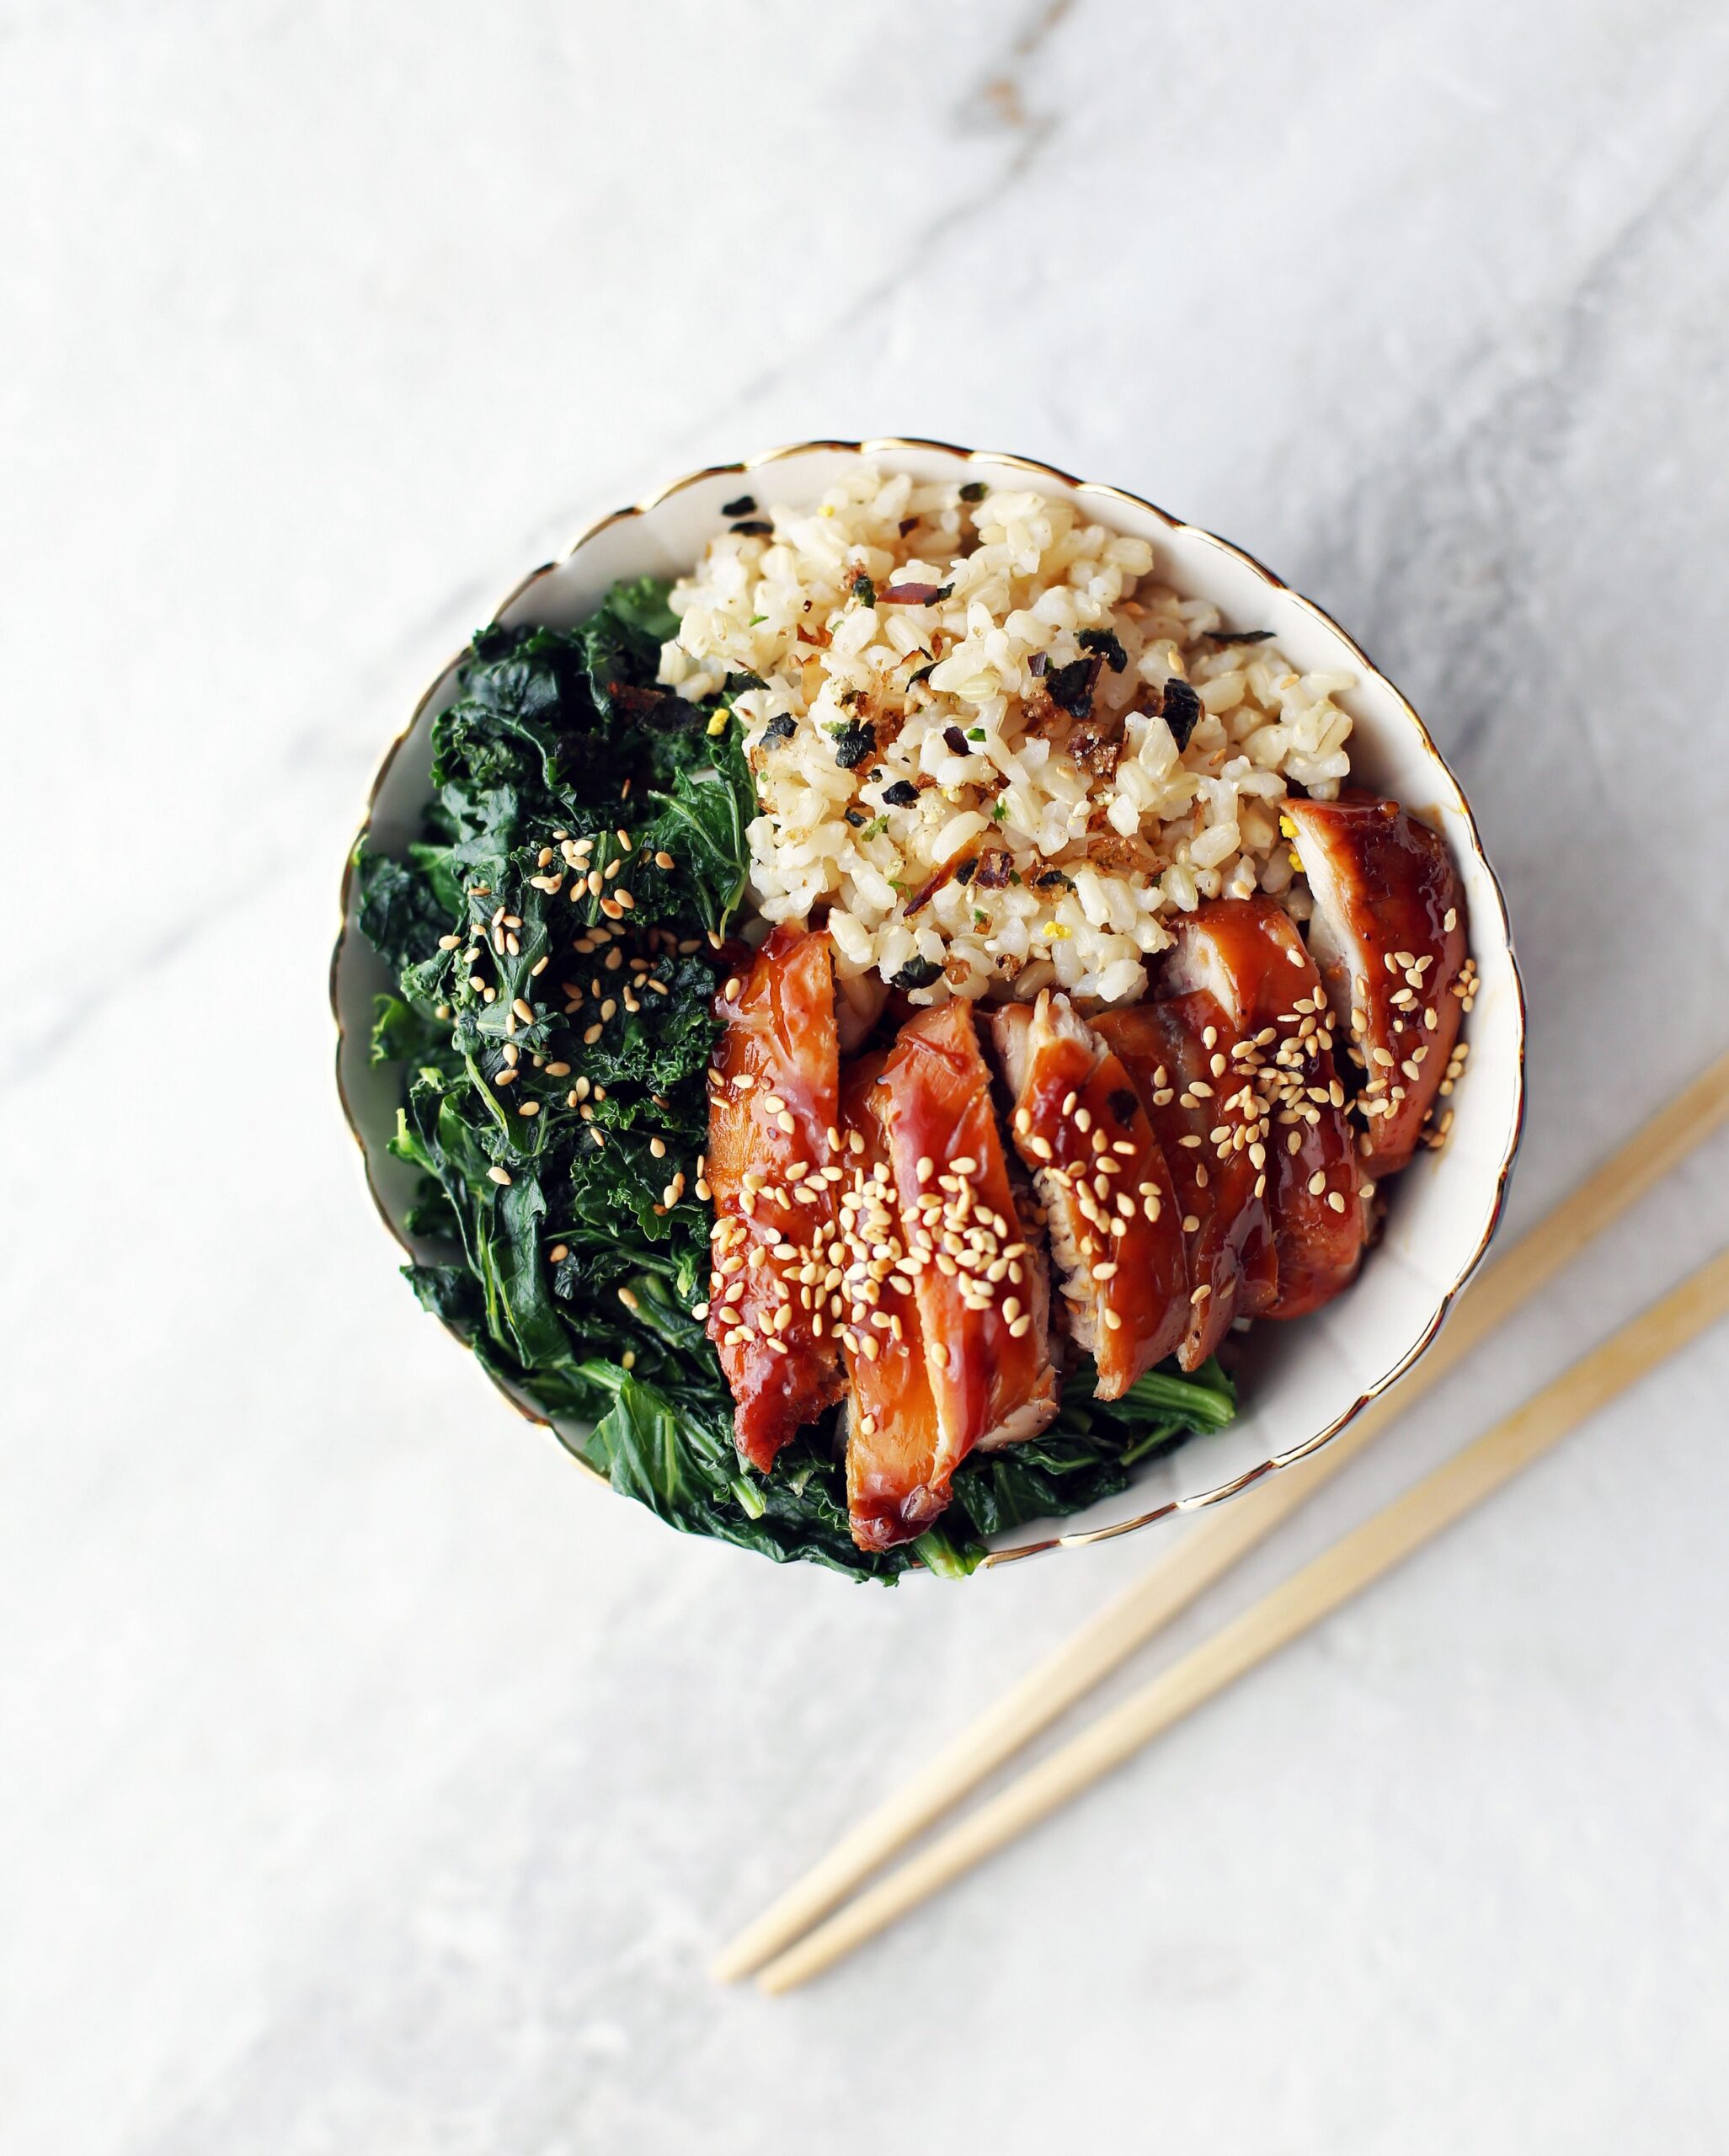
368,1782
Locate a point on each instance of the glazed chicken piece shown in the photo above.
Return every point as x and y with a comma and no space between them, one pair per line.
1184,1056
1246,955
773,1088
978,1280
1388,931
895,1485
1116,1233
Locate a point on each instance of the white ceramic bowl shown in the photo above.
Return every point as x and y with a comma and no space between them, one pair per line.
1299,1384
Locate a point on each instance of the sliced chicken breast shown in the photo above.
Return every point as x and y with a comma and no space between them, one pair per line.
773,1102
1388,931
1247,955
1185,1060
979,1284
896,1485
1116,1233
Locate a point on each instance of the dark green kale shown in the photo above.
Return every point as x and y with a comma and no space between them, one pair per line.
1086,1453
556,935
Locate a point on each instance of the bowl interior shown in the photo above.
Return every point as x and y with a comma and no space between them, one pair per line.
1301,1382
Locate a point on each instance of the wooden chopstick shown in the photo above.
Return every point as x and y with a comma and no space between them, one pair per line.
1383,1541
1227,1533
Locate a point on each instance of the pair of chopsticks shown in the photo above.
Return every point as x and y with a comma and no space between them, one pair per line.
790,1943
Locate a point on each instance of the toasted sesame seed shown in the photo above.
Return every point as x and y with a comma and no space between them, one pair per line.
1190,1222
1200,1294
1336,1201
733,984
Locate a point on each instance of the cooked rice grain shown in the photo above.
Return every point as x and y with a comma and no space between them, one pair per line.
965,820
